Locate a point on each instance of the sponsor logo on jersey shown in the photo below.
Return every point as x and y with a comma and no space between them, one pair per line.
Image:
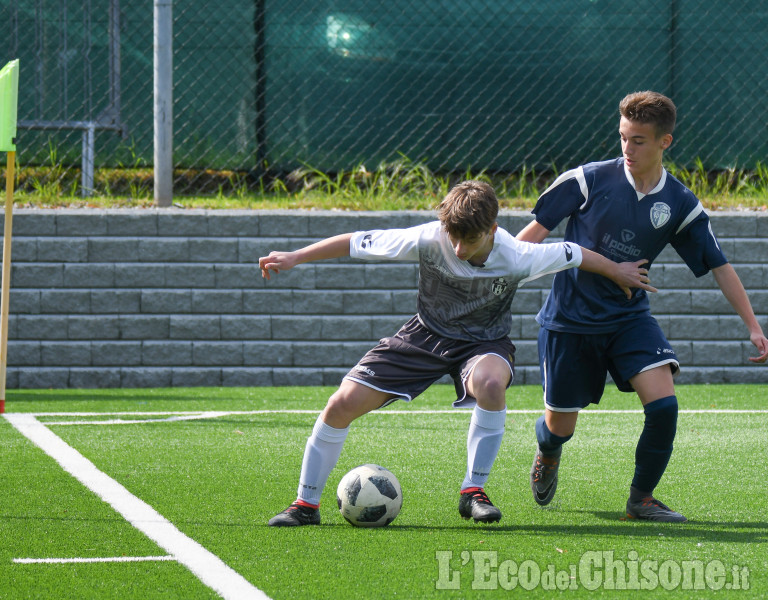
660,214
499,286
617,247
627,235
568,253
367,241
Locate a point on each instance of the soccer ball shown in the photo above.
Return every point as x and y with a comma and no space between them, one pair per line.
369,496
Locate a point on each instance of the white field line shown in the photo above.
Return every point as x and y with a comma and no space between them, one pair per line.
166,417
118,421
205,565
63,561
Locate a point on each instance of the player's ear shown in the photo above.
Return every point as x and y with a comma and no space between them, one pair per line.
493,228
666,141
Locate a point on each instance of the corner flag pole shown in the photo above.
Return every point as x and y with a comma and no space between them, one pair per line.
9,93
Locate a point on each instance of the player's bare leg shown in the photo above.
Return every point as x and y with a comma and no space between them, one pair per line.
653,384
323,449
350,401
561,423
656,391
487,384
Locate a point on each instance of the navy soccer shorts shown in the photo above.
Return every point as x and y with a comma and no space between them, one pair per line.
574,365
414,358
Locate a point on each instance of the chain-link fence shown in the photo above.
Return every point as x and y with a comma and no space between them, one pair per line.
262,85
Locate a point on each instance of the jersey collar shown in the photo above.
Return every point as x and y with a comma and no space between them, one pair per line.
658,188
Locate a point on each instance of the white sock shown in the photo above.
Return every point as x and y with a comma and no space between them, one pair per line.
320,456
486,430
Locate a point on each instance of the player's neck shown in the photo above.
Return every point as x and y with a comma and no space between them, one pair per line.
646,181
480,259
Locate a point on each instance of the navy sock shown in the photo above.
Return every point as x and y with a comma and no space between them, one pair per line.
549,443
655,444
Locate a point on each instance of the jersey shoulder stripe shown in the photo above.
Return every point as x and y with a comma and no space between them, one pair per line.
578,175
697,210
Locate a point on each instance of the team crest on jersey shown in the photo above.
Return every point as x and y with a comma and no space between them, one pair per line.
499,286
660,214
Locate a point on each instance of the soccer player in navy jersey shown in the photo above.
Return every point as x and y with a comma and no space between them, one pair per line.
469,271
625,209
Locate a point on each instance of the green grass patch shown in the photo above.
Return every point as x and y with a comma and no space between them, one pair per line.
399,185
220,479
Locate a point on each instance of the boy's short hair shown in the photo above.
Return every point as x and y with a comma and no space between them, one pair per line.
650,107
469,208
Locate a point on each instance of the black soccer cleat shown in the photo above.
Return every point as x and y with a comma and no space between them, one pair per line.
295,515
544,476
650,509
474,504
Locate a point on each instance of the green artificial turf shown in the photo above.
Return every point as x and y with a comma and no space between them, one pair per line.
220,479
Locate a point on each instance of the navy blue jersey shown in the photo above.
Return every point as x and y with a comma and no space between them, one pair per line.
607,215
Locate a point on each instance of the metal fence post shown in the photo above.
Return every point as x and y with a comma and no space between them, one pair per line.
89,158
163,101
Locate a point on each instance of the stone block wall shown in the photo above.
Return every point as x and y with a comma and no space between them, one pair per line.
156,298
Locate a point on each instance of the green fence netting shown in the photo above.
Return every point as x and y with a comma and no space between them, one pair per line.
335,84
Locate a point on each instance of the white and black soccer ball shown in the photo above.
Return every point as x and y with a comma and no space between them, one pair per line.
369,496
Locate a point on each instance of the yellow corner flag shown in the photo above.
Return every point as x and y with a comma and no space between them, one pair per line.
9,98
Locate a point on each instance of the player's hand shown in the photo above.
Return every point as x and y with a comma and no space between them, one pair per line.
761,343
276,261
633,275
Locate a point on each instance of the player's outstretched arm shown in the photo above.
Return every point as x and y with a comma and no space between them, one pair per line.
333,247
730,284
534,232
626,274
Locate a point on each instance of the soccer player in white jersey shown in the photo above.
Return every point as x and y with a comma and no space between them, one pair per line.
469,270
625,208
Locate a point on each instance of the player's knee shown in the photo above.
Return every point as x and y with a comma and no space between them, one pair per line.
561,424
337,412
663,408
490,391
661,414
550,436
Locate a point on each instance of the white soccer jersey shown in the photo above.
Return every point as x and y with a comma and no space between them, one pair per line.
456,299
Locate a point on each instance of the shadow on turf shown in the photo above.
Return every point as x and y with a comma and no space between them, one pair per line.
716,531
712,531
